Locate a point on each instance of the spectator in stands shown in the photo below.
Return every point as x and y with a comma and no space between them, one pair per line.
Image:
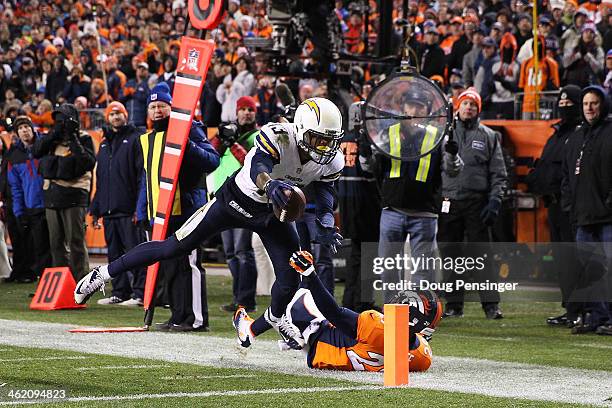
211,107
78,85
452,35
544,29
432,58
26,186
232,142
523,30
496,33
118,172
43,116
135,95
608,71
169,73
469,66
56,80
268,105
98,98
463,45
115,79
66,160
547,79
240,82
506,74
571,36
484,80
585,62
586,193
473,200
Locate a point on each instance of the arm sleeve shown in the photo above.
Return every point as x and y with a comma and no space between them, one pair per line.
17,192
344,319
42,145
566,194
497,170
267,153
200,155
141,204
324,200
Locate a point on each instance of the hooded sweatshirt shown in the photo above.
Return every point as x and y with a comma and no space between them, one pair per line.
587,174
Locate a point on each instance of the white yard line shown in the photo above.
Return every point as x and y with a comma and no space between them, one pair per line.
8,360
468,375
127,367
198,394
206,377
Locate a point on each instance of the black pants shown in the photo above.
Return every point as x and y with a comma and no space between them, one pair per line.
564,255
121,235
21,259
36,238
460,224
185,282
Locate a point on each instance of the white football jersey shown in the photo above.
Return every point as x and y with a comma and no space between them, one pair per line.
279,141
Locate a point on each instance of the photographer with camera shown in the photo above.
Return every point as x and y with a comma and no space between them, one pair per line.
233,142
67,159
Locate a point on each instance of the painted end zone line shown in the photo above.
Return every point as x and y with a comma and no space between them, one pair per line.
200,394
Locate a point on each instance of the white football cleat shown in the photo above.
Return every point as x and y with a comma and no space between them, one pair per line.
242,323
287,330
92,282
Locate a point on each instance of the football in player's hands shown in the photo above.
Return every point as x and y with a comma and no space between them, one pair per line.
294,209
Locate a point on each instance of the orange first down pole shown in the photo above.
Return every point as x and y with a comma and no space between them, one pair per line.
397,349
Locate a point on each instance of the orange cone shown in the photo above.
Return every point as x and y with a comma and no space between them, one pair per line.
55,290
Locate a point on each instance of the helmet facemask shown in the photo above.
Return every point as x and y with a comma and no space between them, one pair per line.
321,147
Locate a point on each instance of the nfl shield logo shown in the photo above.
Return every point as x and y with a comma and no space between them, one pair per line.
193,58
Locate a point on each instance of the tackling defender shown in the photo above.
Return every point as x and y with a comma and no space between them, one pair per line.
285,154
341,339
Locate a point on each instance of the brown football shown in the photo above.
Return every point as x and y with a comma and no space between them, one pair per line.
294,208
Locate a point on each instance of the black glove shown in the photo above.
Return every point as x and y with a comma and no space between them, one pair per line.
451,147
489,214
144,225
609,201
228,134
365,148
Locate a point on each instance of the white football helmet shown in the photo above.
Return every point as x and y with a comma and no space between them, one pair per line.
319,129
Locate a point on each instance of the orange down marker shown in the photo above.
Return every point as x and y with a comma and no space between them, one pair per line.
397,352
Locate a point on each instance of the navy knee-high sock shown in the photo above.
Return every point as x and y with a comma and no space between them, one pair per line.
145,254
344,319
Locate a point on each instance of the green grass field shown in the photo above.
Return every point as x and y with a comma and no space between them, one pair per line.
168,378
521,337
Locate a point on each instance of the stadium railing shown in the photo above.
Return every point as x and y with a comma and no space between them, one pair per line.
547,105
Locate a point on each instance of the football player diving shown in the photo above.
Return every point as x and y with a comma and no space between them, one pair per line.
337,338
285,154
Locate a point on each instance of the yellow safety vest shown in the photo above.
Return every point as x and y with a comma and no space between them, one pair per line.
395,147
152,144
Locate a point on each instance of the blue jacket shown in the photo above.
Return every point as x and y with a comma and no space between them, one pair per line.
25,181
118,173
136,104
199,159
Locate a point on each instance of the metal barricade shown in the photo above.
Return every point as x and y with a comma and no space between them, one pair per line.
548,108
91,119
